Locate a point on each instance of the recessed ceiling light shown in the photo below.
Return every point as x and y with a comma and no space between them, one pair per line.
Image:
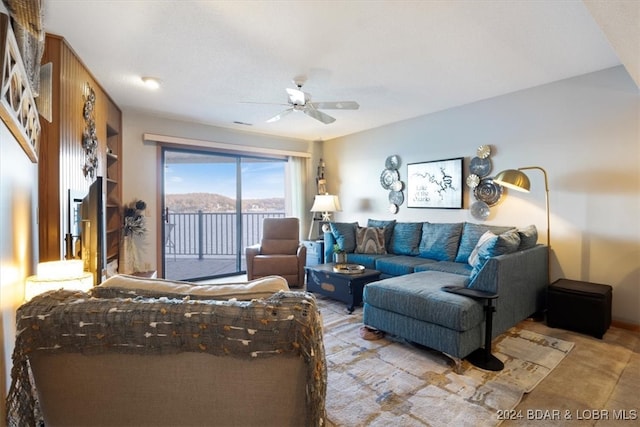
151,82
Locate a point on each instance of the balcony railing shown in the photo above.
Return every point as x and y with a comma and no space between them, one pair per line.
200,234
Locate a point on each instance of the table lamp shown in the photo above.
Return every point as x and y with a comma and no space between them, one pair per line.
56,275
325,203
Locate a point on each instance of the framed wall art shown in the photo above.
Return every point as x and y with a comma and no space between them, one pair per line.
436,184
17,104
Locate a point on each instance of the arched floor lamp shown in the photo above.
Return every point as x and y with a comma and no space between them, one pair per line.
519,181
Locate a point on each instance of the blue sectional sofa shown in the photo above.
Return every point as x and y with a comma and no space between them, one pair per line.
417,260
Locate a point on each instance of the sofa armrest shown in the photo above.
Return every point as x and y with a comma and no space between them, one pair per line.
250,253
520,279
301,253
302,261
529,265
329,241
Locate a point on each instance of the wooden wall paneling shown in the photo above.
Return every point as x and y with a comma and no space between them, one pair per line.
49,215
73,86
63,166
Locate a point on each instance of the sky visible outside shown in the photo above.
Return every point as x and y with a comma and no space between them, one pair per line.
260,180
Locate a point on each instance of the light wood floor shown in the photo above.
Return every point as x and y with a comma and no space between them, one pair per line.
597,384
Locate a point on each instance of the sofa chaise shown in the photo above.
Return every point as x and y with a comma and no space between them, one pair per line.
136,352
417,260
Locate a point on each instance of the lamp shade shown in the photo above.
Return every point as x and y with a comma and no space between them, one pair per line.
56,275
326,203
514,179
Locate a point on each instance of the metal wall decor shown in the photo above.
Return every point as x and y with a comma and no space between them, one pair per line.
390,180
89,135
486,192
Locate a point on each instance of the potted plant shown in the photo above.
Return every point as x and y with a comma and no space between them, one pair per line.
339,255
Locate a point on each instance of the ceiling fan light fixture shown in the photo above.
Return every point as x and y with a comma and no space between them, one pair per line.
151,82
299,100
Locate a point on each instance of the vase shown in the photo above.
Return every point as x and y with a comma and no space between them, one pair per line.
340,257
129,258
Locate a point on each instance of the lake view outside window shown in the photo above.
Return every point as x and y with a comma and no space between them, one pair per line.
213,208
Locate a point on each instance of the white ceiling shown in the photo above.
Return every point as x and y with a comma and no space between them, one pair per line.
397,59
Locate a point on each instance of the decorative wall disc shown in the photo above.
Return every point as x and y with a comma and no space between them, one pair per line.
397,186
392,162
473,180
480,167
393,208
480,210
488,191
388,177
396,197
484,151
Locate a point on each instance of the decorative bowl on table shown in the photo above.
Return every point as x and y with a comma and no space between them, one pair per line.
348,268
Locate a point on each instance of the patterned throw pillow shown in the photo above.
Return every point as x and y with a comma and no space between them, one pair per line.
370,240
388,228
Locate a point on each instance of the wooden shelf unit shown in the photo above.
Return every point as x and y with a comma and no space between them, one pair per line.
113,189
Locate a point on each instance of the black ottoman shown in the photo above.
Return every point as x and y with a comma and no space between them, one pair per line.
579,306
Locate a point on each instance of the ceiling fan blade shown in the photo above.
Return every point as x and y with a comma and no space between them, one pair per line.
340,105
280,115
263,103
318,115
298,97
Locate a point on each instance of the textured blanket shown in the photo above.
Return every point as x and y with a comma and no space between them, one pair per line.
110,320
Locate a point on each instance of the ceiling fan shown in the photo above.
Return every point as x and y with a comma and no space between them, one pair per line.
301,101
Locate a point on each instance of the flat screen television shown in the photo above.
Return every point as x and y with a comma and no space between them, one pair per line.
93,231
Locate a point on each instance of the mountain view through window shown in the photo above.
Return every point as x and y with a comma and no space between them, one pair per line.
214,206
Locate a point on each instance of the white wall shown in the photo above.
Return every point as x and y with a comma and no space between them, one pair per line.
140,164
18,243
584,131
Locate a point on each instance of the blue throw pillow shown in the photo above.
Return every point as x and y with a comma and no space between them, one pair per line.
528,237
486,242
388,228
406,238
440,241
490,245
471,234
345,235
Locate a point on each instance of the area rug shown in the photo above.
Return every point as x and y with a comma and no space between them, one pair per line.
392,382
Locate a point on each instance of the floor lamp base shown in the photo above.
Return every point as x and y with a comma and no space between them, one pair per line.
485,360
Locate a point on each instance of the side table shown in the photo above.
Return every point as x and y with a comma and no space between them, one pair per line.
315,251
579,306
482,358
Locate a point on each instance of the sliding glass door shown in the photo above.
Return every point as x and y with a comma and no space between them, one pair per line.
213,207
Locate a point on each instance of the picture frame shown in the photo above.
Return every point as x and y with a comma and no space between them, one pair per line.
435,184
17,105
